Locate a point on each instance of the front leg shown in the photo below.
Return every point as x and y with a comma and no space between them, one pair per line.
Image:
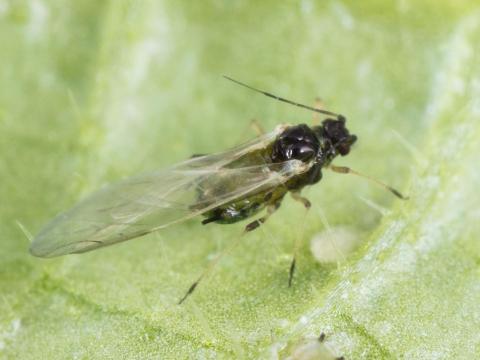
317,105
257,127
347,170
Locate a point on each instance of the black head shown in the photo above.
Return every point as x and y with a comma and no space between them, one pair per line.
296,142
337,135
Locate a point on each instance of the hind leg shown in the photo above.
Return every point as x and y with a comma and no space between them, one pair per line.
256,223
250,227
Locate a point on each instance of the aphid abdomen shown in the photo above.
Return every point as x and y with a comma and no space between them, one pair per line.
244,208
234,212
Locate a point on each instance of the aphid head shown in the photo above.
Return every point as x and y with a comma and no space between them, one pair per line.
296,142
337,135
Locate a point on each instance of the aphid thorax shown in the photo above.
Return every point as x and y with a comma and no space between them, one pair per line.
318,144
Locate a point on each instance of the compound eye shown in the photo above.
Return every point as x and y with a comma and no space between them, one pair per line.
344,146
343,149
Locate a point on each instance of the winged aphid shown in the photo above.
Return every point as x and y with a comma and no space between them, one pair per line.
224,188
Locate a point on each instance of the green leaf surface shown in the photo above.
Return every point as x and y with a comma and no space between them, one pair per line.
95,91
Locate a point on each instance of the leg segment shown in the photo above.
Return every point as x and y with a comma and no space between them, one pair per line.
317,105
347,170
250,227
307,204
210,267
256,223
257,127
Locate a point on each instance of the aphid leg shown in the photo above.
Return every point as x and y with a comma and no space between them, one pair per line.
347,170
297,197
256,223
250,227
307,204
316,117
257,127
209,268
254,126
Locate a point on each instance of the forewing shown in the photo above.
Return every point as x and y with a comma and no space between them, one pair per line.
142,204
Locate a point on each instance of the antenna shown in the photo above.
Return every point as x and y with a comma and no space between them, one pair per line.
325,112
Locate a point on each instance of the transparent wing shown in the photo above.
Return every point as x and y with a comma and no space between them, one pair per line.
142,204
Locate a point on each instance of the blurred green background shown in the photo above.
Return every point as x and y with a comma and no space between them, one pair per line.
94,91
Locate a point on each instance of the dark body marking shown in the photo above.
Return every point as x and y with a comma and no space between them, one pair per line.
318,144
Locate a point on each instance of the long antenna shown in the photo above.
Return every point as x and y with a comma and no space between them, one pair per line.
338,116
